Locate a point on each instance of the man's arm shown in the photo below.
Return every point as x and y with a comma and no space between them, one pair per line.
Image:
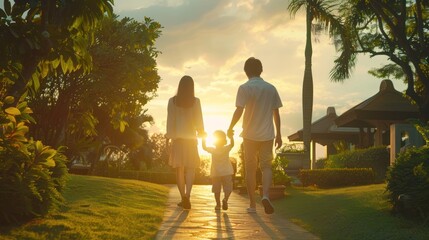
278,140
231,140
235,117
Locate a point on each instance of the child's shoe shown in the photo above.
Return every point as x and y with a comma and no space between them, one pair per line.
224,204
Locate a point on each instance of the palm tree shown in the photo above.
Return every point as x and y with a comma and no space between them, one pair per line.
322,12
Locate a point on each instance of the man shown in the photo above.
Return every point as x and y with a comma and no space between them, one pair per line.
260,102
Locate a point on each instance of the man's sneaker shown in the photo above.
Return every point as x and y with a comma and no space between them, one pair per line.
268,207
251,210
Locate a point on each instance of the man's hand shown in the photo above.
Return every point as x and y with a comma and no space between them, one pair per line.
230,133
278,142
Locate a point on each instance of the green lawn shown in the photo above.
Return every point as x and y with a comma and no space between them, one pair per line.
347,213
100,208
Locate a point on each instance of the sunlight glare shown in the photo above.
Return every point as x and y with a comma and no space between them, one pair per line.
211,124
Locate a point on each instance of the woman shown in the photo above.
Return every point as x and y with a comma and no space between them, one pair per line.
184,121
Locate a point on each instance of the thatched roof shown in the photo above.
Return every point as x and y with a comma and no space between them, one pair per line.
387,106
324,130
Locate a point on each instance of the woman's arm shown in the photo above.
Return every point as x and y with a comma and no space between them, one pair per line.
199,123
171,118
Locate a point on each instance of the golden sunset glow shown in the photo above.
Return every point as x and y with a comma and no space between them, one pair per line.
210,40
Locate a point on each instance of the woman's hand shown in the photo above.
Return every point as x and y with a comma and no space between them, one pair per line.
202,134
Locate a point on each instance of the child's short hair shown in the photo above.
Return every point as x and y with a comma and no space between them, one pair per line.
220,136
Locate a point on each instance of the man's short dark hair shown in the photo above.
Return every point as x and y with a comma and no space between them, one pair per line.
253,67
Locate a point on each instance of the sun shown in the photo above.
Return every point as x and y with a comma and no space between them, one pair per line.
211,124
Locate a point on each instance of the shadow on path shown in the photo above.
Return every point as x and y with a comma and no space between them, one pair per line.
203,222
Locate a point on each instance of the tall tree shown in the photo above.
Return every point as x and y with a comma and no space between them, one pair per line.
81,110
41,36
322,12
397,29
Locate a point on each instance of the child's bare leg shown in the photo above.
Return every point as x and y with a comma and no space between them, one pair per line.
227,189
217,198
226,197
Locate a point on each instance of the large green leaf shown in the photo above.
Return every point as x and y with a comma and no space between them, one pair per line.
2,13
9,100
7,7
12,111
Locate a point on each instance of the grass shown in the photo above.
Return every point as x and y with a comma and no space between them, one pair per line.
347,213
99,208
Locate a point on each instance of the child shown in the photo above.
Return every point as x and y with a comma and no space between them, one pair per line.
221,168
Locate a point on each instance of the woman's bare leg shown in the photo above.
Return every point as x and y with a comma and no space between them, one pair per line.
189,181
180,179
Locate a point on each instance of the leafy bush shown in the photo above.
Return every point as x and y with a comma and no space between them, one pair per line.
408,183
279,166
31,175
340,177
377,158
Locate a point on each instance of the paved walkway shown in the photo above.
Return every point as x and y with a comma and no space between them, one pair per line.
203,222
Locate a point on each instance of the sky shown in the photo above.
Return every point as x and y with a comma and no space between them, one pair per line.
210,41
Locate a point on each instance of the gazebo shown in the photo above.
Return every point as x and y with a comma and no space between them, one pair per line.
325,131
374,116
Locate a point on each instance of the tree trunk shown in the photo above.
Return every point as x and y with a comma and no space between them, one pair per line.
307,92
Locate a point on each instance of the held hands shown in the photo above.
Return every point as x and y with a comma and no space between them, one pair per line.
202,135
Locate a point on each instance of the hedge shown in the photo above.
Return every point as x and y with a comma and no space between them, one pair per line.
337,177
377,158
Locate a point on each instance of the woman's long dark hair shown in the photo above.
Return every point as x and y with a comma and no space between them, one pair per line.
185,96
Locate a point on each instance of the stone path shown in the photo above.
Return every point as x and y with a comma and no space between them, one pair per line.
203,222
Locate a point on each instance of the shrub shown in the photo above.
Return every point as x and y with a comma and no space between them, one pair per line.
408,183
377,158
279,166
31,175
340,177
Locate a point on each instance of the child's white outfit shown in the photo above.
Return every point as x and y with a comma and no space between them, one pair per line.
221,170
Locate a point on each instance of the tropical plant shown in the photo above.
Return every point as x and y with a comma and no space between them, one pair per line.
38,38
32,175
323,12
397,30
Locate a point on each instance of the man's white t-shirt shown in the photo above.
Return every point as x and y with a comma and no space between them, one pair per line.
258,98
